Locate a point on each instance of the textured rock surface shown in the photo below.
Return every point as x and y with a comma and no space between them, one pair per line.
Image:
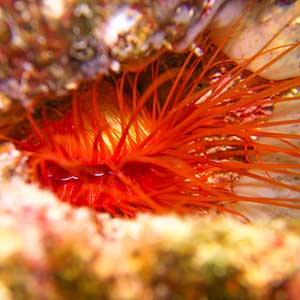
51,251
50,46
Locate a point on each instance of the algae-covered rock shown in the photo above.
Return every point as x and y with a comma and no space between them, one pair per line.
50,250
